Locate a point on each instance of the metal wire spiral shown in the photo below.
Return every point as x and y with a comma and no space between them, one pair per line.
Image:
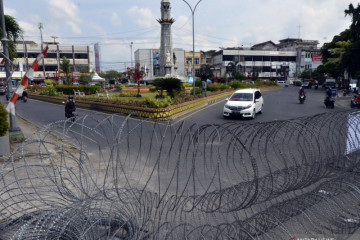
126,179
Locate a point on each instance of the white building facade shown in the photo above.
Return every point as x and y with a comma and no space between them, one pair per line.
80,57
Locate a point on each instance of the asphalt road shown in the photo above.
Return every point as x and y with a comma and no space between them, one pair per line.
280,104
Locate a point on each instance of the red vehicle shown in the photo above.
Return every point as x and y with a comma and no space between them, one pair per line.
355,102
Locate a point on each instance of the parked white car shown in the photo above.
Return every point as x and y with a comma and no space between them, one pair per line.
245,102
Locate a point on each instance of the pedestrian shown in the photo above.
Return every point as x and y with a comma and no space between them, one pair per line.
203,87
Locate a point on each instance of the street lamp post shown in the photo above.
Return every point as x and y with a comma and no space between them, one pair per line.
193,32
147,73
131,44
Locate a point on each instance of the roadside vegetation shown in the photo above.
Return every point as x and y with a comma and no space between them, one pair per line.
163,93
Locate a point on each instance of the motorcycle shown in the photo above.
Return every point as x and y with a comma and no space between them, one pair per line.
329,102
71,114
302,98
23,97
355,102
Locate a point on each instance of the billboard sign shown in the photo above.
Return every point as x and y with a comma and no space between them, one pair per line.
97,57
316,57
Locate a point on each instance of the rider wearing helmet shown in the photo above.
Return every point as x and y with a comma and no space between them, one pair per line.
70,107
329,92
302,91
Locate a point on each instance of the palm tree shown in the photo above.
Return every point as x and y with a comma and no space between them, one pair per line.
13,32
355,25
232,68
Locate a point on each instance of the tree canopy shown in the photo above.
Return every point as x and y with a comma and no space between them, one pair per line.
168,84
13,32
343,52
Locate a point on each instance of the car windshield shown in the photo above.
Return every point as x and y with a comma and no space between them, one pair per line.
242,97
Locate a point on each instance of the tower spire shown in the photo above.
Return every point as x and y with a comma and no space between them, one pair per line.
166,51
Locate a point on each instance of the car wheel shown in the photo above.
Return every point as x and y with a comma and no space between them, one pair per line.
225,117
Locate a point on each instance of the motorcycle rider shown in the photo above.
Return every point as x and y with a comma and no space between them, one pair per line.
24,94
302,92
70,107
328,92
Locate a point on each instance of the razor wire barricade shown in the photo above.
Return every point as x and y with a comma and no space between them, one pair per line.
125,179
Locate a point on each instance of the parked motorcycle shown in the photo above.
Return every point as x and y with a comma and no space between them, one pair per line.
329,102
302,98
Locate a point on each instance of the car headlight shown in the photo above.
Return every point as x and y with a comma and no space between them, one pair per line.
248,106
227,106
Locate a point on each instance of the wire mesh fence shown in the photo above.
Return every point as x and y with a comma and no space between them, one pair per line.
116,178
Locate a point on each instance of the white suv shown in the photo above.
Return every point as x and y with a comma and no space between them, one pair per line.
244,102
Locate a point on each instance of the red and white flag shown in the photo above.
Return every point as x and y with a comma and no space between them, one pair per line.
24,82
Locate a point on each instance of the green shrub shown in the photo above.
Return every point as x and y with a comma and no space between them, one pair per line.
223,87
271,83
259,82
51,91
187,85
127,94
48,82
297,83
158,103
197,91
198,83
4,124
237,84
170,85
212,87
69,90
152,89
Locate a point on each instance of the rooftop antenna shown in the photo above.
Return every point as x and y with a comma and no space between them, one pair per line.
54,37
299,31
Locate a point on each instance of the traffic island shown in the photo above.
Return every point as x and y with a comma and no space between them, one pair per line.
153,114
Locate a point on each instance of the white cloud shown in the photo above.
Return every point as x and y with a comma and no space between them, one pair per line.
28,27
74,27
10,12
143,16
66,11
67,7
115,20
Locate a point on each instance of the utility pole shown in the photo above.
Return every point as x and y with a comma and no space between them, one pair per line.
12,118
43,63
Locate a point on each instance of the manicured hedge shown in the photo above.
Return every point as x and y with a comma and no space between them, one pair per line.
68,90
4,124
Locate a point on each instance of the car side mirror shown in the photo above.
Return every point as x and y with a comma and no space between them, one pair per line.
226,99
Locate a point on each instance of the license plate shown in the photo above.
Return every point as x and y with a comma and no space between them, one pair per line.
236,113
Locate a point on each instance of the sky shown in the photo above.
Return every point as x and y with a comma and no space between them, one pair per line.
114,24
